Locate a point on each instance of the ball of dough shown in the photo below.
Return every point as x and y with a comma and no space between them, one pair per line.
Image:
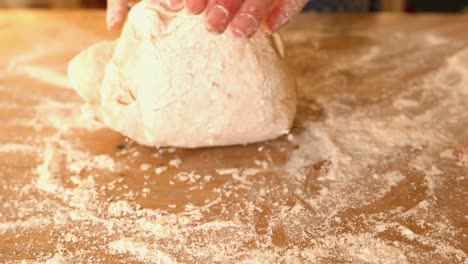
169,82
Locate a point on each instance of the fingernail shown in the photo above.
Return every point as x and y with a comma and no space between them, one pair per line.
275,25
116,16
111,22
216,19
244,26
195,8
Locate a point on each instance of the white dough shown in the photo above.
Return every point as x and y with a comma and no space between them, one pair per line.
168,82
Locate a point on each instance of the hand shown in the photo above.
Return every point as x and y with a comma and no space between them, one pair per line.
244,17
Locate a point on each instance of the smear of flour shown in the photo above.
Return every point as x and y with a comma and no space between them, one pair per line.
15,147
42,74
142,251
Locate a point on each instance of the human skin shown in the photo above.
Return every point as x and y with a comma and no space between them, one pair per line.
242,17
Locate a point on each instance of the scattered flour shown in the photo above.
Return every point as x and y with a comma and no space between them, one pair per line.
362,179
175,162
160,170
145,167
140,251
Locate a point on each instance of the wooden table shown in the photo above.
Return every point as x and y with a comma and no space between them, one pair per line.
375,170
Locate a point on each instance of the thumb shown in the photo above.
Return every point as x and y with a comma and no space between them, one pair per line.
116,13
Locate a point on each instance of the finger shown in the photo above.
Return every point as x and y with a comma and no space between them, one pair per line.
196,6
116,13
250,17
282,12
219,13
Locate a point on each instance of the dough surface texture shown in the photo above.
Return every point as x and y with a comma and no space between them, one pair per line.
169,82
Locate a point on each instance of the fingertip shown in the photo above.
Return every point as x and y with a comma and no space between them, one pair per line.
111,24
216,19
274,23
195,11
114,21
282,13
214,29
114,26
269,25
250,17
244,26
196,7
